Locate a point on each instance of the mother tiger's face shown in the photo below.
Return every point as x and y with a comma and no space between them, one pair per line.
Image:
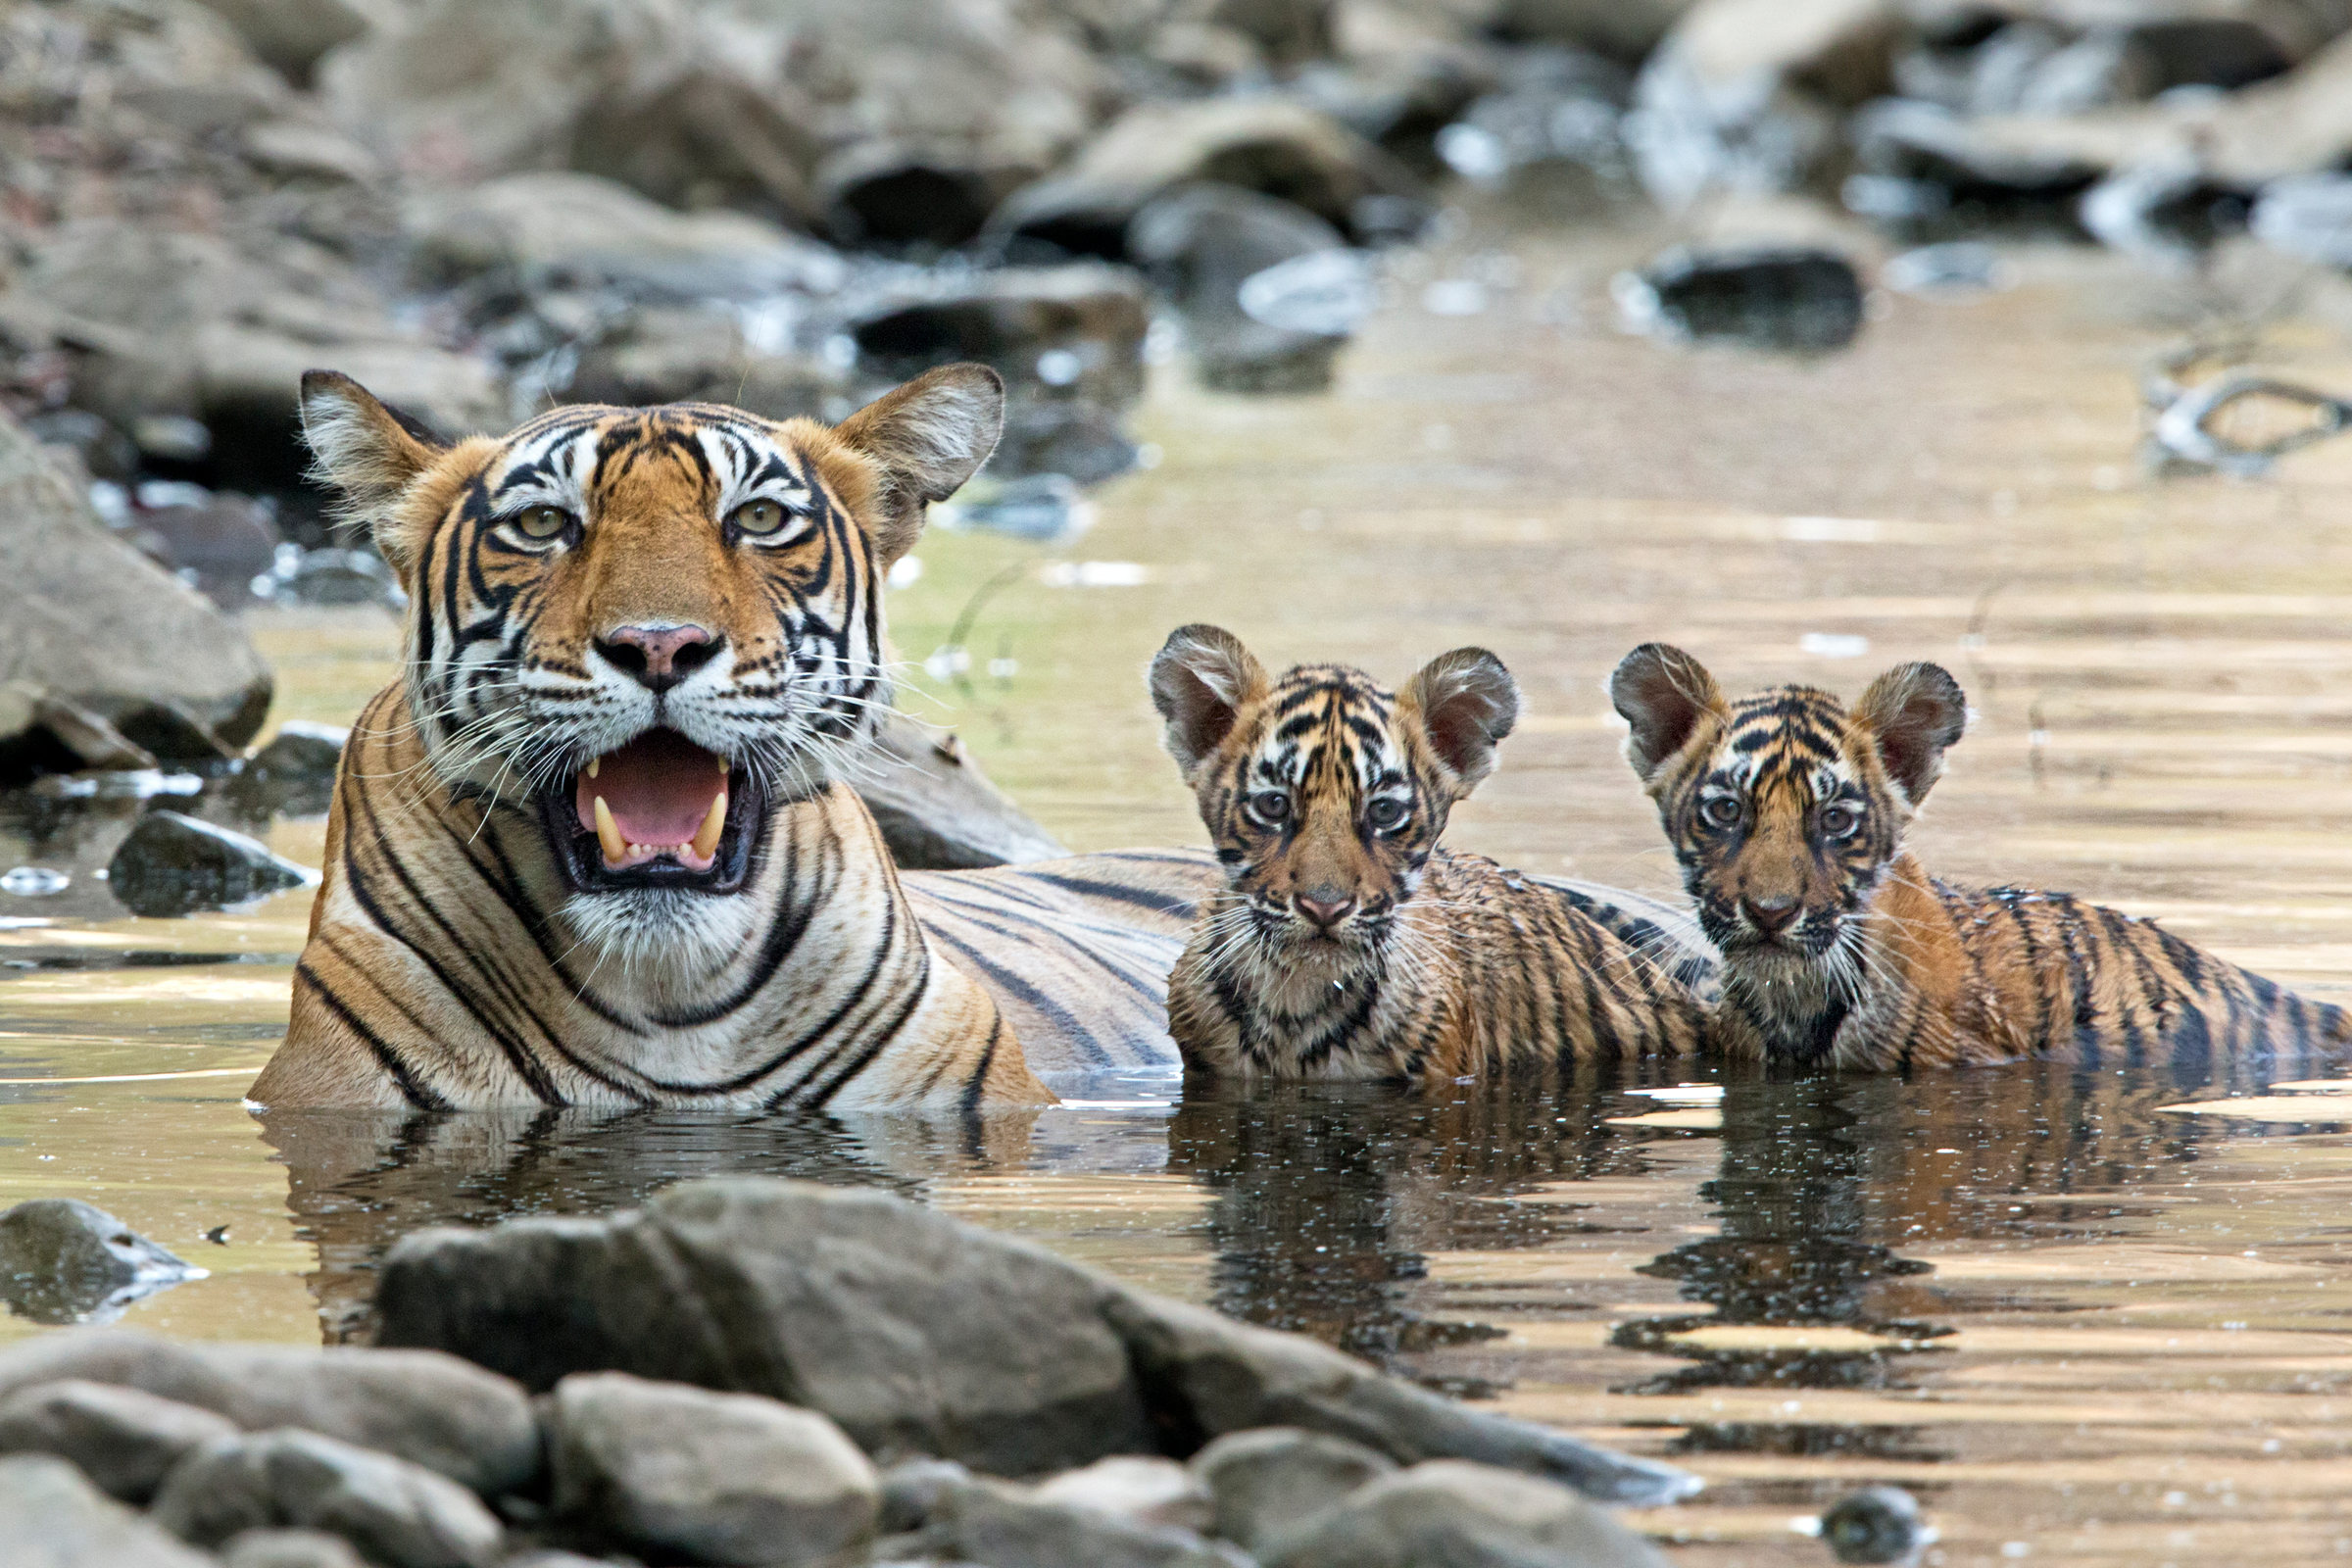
1783,808
649,624
1324,792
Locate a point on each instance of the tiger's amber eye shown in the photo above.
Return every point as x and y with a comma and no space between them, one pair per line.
1838,821
1387,814
1721,812
758,518
542,522
1270,806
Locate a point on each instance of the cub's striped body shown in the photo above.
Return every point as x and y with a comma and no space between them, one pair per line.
1786,813
590,849
1348,945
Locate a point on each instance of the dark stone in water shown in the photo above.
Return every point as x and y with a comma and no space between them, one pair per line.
1880,1524
295,773
173,865
1769,297
63,1260
170,733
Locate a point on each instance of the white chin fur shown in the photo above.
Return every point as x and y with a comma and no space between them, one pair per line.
658,937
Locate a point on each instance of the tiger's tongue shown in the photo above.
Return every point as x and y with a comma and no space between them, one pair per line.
658,788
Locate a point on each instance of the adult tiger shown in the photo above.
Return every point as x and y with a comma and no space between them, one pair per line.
1787,813
1347,944
592,848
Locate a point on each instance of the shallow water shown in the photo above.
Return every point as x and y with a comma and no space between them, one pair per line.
2075,1321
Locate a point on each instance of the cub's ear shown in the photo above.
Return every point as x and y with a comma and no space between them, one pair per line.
1200,680
1663,693
925,440
1915,713
367,450
1467,702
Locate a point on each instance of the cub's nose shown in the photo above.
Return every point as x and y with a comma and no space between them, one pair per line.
1326,911
659,656
1771,916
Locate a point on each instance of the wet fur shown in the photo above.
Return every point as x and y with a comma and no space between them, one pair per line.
1880,967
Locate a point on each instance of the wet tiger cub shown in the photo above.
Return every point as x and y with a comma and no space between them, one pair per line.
1787,812
1346,945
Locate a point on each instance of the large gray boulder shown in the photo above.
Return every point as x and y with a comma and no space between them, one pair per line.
85,615
436,1411
56,1519
1446,1514
714,1478
399,1514
124,1440
921,1334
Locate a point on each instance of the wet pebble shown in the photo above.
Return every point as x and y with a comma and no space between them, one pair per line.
174,864
1771,297
1878,1525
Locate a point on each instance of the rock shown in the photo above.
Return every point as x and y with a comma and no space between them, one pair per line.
56,1519
2307,216
301,752
63,1260
396,1513
1555,105
716,1478
124,1440
104,452
173,865
1144,1490
1766,297
1878,1524
1202,245
1068,341
288,1548
291,35
682,354
1046,508
1462,1517
1266,1480
920,1335
882,193
911,1492
543,231
217,548
99,624
938,811
992,1522
1740,95
174,735
443,1413
2164,215
48,734
331,576
1623,29
1264,144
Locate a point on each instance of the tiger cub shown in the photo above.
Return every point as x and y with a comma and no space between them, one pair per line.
1346,945
1787,812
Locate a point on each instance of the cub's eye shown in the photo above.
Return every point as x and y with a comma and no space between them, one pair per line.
541,523
1270,806
1387,814
1840,820
1722,810
758,518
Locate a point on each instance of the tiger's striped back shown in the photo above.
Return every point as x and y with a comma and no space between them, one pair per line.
1788,814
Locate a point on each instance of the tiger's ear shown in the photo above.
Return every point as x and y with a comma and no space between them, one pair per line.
1200,680
369,452
925,440
1914,713
1467,702
1663,693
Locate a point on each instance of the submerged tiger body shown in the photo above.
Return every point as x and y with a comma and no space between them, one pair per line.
1787,812
590,849
1347,944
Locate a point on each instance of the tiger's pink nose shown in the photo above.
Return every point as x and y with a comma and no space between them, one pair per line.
1325,912
659,656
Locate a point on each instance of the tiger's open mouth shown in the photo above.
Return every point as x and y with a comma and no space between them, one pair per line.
658,813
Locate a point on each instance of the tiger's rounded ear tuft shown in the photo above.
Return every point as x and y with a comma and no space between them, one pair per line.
925,439
1663,693
1915,713
1200,680
369,452
1468,703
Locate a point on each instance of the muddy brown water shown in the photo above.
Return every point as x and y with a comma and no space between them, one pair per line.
2084,1326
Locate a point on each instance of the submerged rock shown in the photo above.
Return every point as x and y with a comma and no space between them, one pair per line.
124,1440
399,1514
1766,297
63,1260
1464,1516
174,864
56,1519
714,1478
1203,245
922,1335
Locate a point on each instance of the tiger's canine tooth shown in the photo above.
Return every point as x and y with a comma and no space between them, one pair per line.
706,837
593,762
607,834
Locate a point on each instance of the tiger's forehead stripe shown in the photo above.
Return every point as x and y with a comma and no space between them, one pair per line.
1328,722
